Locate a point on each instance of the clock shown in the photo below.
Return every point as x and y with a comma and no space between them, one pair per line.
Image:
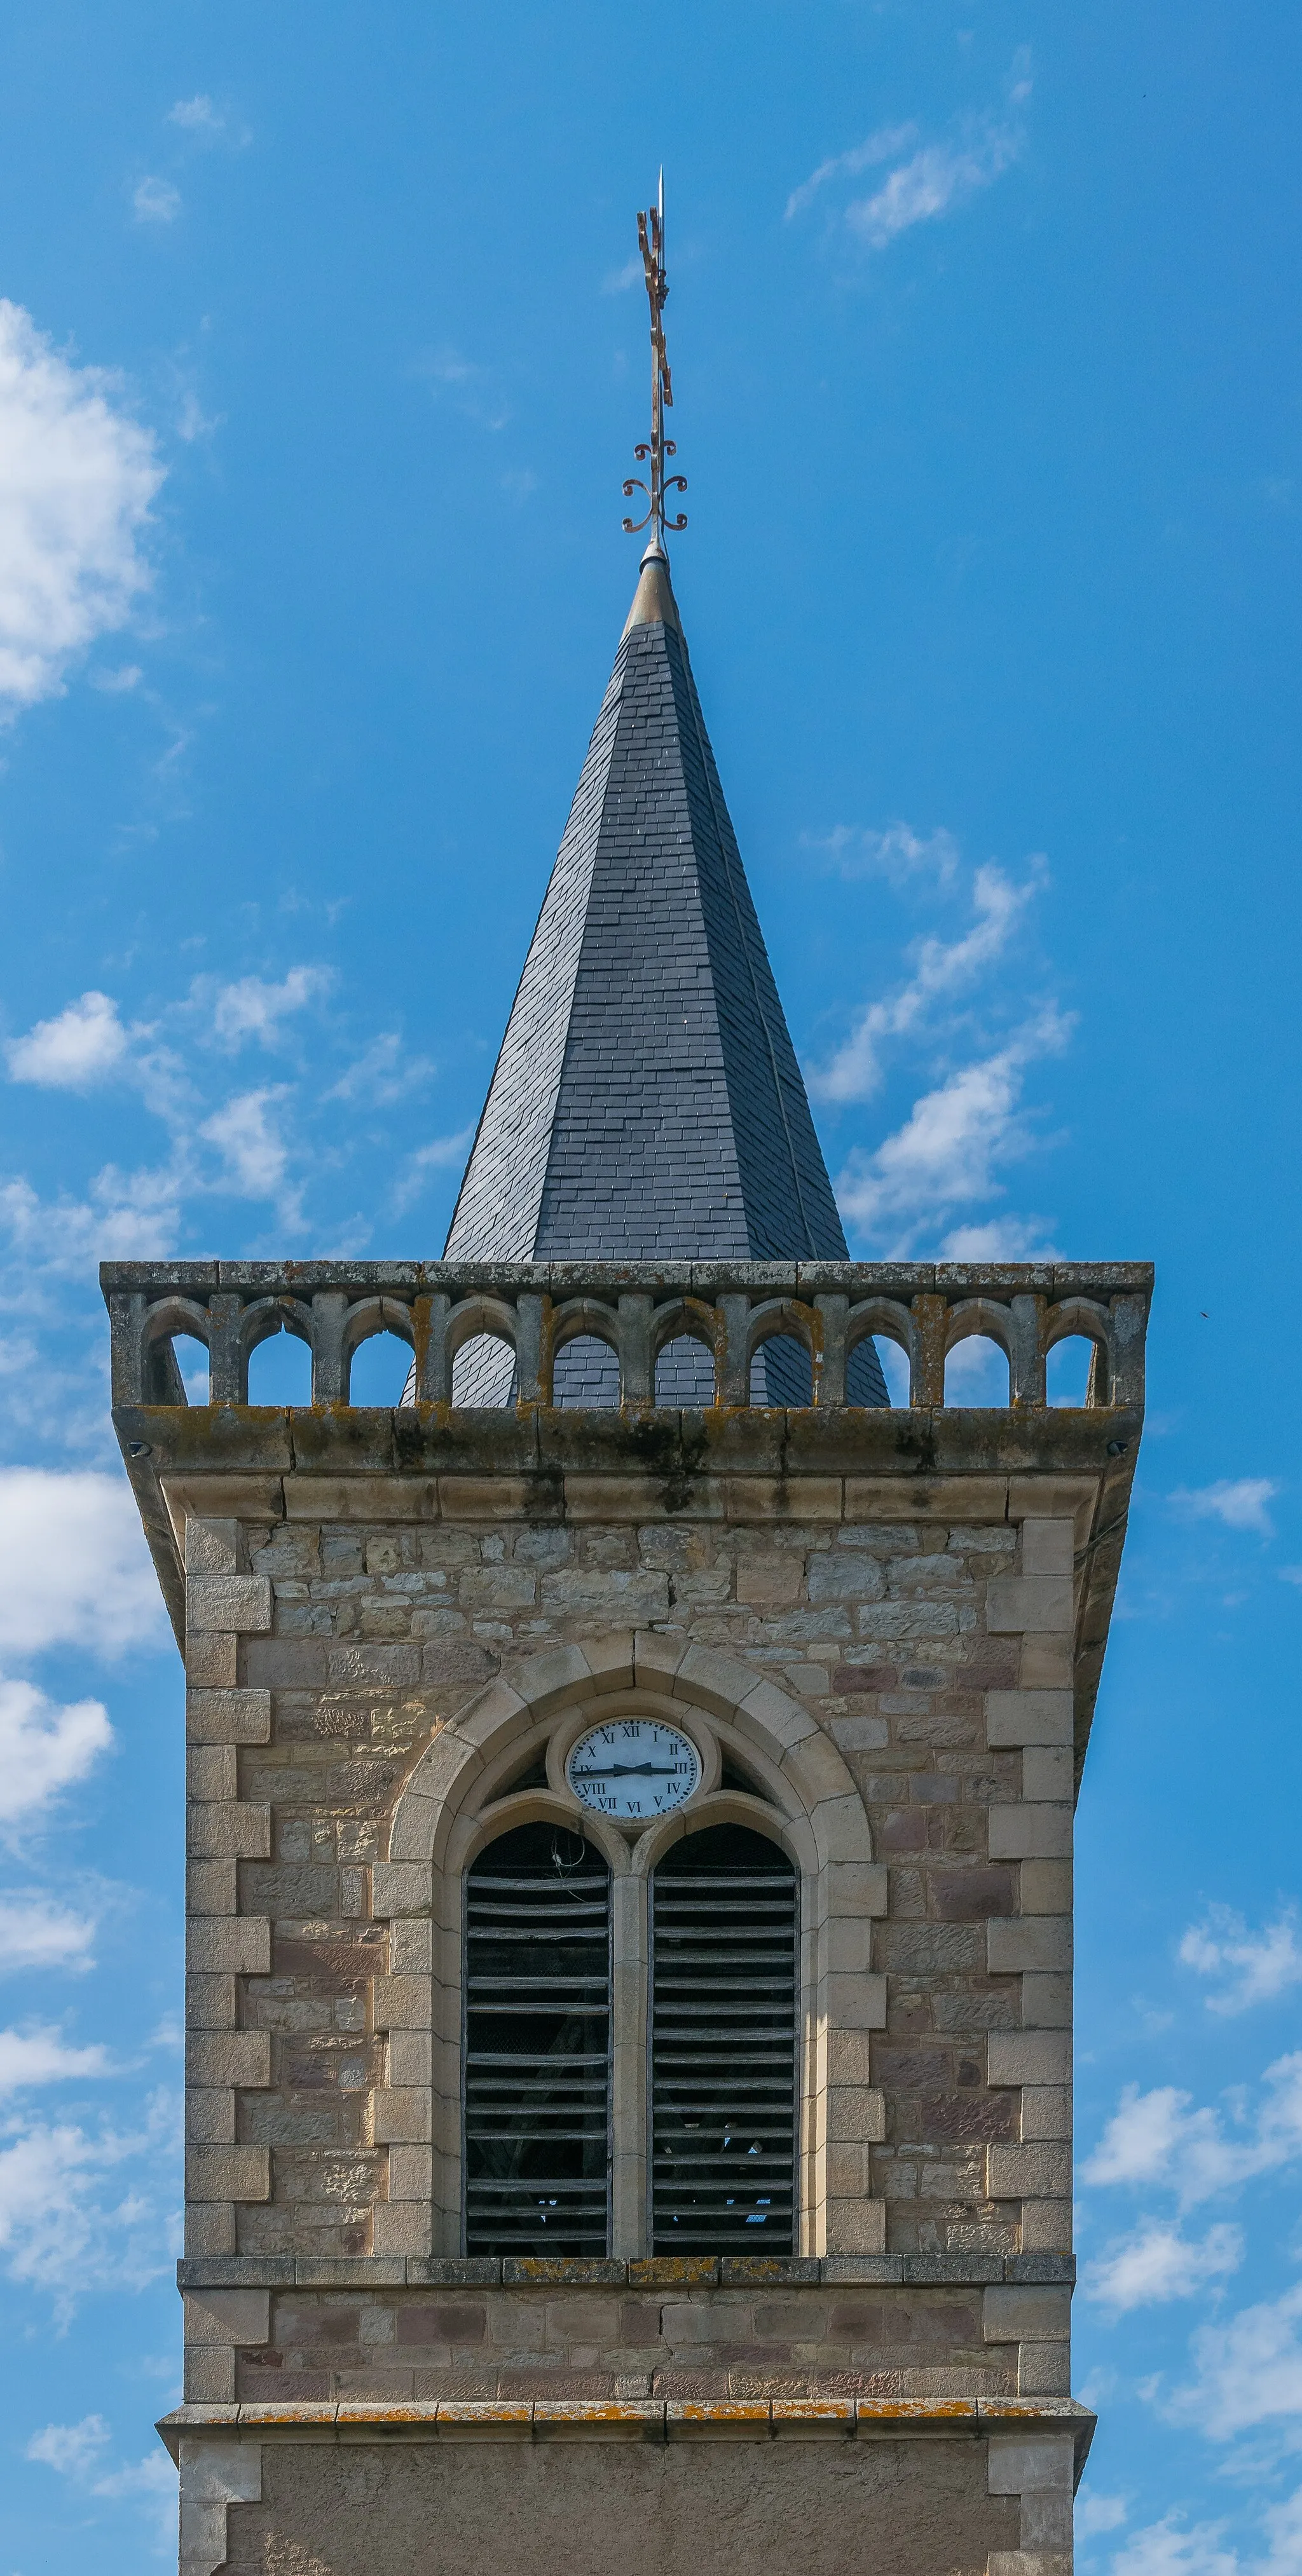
633,1767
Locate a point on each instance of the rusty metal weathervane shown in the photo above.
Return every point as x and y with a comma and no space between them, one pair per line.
651,243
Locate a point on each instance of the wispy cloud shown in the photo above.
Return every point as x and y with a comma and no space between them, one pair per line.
1239,1503
252,1008
79,475
155,201
868,155
77,2452
950,1148
253,1150
1250,1967
36,1933
67,2224
384,1071
619,280
468,385
441,1156
941,970
929,179
35,2057
899,853
1157,2264
205,122
1159,2138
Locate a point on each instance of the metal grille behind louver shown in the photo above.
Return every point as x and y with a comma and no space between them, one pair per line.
723,2046
537,2053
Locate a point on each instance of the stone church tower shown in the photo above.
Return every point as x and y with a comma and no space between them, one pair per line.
629,1811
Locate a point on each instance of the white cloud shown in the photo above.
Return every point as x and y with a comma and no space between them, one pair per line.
1164,2549
116,683
36,1934
76,1569
383,1072
1249,2371
899,854
620,279
72,2449
937,179
61,2226
244,1132
156,201
941,969
254,1009
1000,1238
199,116
868,155
441,1156
469,386
948,1149
129,1216
1157,2264
74,1050
33,2057
1155,2137
1096,2513
77,476
1239,1502
1255,1966
44,1747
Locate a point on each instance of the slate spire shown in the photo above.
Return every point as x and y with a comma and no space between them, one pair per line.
647,1103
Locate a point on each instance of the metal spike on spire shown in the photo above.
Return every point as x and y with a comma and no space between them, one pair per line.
651,243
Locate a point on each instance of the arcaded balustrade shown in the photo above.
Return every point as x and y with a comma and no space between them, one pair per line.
537,1307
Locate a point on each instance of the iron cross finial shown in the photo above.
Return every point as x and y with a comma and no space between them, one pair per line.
651,243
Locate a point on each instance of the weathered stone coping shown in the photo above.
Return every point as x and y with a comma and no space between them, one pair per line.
638,2419
741,2272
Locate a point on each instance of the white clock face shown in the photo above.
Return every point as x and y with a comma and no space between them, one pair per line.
633,1767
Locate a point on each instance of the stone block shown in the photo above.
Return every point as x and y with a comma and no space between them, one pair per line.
1046,2002
208,2377
1016,1603
228,2173
1039,2172
210,1886
497,1587
1029,2057
228,1716
856,2002
212,1663
1030,1832
1030,2464
210,2115
1043,2370
234,2057
401,1887
841,1574
212,1547
971,1895
363,1666
212,1773
227,2316
1046,1886
1046,2228
610,1591
1047,1547
401,2227
401,2114
782,1498
1028,1717
857,1887
402,2003
238,1831
239,1602
232,1945
770,1576
855,2227
1037,1941
1046,2111
856,2116
611,1660
1016,2313
1047,1773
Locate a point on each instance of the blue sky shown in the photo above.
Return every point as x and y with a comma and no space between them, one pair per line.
320,369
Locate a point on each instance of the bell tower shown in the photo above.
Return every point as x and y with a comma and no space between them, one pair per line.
629,1803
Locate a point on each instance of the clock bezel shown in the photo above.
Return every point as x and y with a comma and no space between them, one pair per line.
659,1710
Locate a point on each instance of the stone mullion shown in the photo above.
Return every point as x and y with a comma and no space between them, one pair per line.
629,2109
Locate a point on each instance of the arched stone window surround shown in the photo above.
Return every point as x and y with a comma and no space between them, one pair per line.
265,1317
576,1319
458,1798
686,1319
981,1318
886,1316
787,1316
161,1368
1080,1318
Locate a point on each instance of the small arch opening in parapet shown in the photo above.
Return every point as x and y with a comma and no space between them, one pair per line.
191,1357
380,1368
483,1372
895,1370
1074,1370
977,1373
280,1371
685,1373
781,1372
585,1372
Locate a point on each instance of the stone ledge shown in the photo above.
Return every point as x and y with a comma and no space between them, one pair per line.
727,2271
642,2419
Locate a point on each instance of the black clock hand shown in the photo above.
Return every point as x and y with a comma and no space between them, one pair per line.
630,1771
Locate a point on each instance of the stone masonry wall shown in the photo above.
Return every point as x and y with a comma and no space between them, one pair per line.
928,1629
